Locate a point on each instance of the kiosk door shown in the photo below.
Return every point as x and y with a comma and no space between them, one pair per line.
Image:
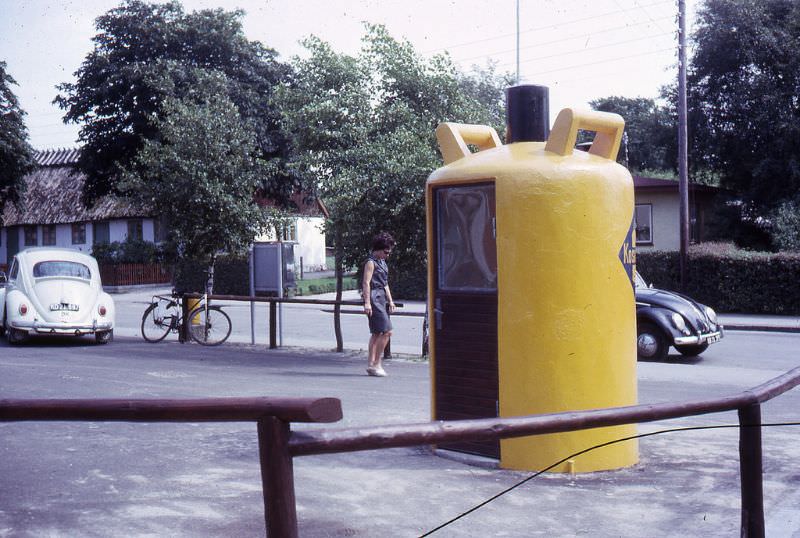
465,309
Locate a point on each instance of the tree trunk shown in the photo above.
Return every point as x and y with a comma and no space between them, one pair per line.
337,309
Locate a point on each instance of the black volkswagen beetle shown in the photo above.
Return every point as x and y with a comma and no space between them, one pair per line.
664,319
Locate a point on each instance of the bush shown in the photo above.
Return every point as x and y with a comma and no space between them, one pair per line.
130,251
728,279
408,279
232,276
189,276
409,283
786,230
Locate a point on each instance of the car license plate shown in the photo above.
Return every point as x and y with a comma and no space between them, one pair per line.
713,338
64,306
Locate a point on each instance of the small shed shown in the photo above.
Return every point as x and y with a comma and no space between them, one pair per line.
657,212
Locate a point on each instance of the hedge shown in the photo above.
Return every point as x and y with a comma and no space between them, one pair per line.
231,276
729,280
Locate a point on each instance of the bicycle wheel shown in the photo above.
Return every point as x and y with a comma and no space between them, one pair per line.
156,323
211,330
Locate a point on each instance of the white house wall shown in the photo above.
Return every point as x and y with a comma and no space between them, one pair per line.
148,230
117,228
666,234
310,244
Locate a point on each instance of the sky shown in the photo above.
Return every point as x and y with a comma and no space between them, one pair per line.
581,50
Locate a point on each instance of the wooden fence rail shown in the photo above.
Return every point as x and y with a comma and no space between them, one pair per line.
278,445
272,415
273,306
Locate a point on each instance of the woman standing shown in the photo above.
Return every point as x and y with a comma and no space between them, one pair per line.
378,302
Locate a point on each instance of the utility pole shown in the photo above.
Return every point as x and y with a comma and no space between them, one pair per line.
517,41
683,168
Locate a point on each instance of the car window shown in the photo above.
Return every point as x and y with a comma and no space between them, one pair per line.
61,268
639,281
12,274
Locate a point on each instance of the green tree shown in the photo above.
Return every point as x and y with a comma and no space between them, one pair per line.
364,129
145,54
16,154
650,133
202,171
743,81
786,221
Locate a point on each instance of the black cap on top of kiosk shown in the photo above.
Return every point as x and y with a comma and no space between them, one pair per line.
527,113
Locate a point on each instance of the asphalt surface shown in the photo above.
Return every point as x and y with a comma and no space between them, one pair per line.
311,326
100,479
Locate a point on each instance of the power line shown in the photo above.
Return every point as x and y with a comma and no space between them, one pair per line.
604,61
644,10
581,51
566,23
561,40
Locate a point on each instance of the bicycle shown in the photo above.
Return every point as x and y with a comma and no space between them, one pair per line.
208,325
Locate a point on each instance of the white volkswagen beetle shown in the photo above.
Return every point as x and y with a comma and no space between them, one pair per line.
55,291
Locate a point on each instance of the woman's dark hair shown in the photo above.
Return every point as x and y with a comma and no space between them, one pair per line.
382,241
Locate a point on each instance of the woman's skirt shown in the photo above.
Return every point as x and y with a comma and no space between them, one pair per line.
379,321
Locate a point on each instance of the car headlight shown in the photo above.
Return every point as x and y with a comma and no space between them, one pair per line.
711,314
679,323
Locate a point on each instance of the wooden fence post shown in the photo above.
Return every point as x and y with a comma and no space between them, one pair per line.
277,477
751,471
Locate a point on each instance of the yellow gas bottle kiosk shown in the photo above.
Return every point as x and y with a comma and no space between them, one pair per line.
530,263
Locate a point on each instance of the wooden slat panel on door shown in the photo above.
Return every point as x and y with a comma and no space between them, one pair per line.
466,364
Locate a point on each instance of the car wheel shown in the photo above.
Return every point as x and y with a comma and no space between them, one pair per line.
15,336
651,344
692,350
104,337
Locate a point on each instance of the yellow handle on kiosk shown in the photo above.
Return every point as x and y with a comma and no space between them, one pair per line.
454,137
607,126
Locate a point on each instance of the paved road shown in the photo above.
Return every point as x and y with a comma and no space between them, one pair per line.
110,479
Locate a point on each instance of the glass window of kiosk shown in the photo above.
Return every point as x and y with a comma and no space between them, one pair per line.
466,250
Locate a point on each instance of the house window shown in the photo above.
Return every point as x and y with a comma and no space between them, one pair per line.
159,229
79,233
49,235
289,232
643,221
135,230
102,234
30,236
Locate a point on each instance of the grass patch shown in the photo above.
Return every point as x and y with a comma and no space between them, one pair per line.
314,286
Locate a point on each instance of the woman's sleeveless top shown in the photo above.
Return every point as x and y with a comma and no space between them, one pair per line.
380,276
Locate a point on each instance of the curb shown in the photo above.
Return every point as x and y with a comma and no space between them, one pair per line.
762,328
